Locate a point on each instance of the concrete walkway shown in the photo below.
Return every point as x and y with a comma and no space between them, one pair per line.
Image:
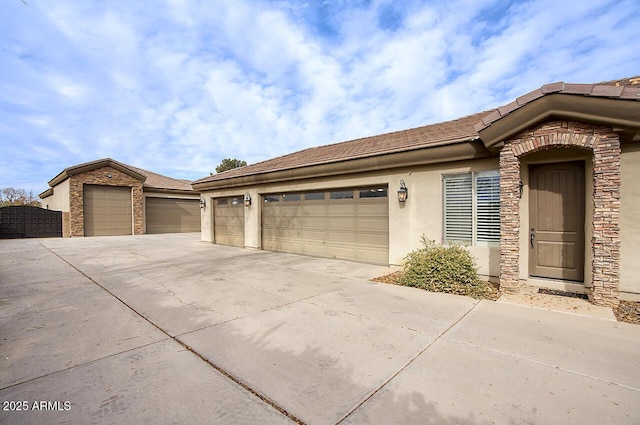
164,329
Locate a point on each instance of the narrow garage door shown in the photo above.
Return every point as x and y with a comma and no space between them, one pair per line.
350,224
228,221
164,215
107,210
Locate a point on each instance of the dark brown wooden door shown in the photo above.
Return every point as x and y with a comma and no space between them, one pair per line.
556,217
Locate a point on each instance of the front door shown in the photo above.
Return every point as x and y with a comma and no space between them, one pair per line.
556,218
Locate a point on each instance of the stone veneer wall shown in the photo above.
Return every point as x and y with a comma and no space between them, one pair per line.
100,177
605,242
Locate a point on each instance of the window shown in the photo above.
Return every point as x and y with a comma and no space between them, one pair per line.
291,196
314,196
487,206
458,208
377,192
472,208
343,194
271,198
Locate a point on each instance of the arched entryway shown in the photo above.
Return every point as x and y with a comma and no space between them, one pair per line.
603,220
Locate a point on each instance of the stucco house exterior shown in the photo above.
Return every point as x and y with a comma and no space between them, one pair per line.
543,191
107,197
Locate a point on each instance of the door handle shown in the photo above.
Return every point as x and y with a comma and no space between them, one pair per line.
532,237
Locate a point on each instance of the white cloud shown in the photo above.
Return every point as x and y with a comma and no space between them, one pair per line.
177,86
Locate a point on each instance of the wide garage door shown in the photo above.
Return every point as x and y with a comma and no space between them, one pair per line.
107,210
351,224
167,215
228,221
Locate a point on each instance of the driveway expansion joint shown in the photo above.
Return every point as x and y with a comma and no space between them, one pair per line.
411,360
219,369
527,359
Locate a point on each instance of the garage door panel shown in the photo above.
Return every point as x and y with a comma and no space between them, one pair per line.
371,225
345,228
341,237
374,239
107,210
228,221
372,255
341,223
343,251
169,215
314,223
313,235
285,243
314,248
372,210
343,207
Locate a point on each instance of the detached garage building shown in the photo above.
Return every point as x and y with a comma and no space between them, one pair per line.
543,191
108,198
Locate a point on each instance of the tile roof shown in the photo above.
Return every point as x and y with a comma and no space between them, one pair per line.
449,132
626,89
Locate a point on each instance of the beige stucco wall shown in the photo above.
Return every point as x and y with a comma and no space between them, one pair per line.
630,222
421,214
59,201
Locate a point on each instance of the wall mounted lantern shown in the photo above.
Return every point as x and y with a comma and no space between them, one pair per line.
403,192
520,188
203,203
247,200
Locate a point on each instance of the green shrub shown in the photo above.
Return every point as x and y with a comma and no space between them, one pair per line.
438,268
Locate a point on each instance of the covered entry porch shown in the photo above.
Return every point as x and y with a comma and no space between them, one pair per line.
560,209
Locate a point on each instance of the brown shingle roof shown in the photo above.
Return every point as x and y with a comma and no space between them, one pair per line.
459,130
151,179
449,132
158,181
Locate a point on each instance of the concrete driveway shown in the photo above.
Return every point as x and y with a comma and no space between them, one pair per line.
164,329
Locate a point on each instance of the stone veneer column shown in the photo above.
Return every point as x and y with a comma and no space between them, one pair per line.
509,221
605,222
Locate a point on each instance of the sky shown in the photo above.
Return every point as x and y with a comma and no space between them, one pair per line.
175,86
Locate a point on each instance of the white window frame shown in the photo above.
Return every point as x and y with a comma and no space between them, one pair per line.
495,196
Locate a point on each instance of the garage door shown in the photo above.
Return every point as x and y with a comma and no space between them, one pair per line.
350,224
229,221
165,215
107,210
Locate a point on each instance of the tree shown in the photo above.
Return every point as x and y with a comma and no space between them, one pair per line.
230,164
12,196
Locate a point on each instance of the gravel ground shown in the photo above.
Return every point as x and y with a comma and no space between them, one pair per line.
627,311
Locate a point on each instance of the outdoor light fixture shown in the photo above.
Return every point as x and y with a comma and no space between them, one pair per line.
403,192
247,200
203,203
520,188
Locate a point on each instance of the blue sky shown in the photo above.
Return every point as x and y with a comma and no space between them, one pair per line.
175,86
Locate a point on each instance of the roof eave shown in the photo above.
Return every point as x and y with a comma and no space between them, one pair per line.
46,193
82,168
470,149
623,115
